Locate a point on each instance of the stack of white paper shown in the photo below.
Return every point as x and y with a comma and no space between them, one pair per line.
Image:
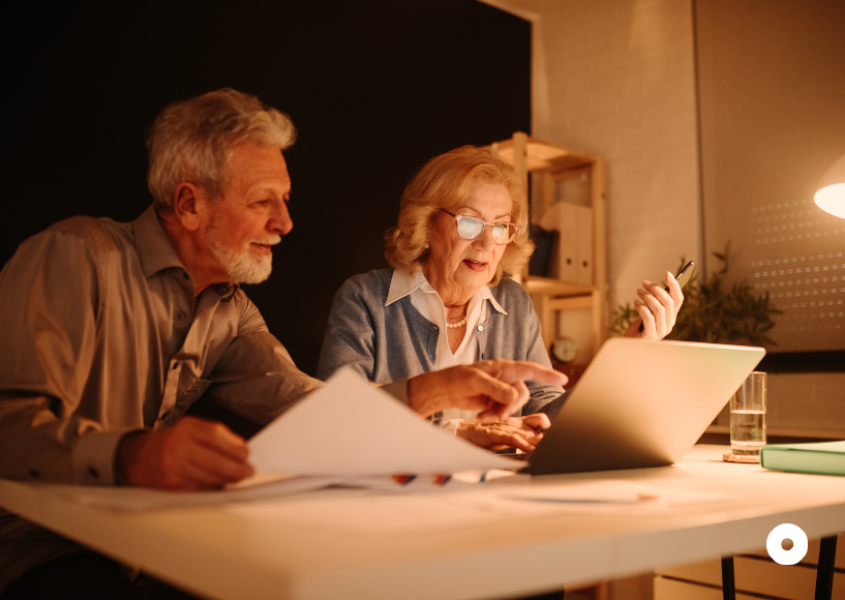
348,427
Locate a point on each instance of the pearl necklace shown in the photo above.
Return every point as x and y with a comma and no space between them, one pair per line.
457,324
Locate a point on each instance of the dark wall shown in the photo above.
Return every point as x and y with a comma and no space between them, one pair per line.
375,89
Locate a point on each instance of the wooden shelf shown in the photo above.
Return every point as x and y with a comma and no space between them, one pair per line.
543,157
577,288
554,287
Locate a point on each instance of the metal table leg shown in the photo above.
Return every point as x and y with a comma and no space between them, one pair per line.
728,584
824,574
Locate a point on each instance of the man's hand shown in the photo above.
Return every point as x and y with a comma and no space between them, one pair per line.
658,309
496,387
514,432
194,454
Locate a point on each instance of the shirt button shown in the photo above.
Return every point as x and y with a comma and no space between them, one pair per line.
480,328
435,328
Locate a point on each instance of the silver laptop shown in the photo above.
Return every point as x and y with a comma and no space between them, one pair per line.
642,404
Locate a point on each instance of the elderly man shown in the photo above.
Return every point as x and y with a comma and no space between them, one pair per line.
112,330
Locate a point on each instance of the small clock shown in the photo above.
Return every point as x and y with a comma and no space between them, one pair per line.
564,349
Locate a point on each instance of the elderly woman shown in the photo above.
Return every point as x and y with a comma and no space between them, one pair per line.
463,224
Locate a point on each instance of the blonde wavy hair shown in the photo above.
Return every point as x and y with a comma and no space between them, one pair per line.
193,140
445,182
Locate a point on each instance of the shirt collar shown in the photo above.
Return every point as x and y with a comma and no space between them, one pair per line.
493,301
404,283
154,248
156,253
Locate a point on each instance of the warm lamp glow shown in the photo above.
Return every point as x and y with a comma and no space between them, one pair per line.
831,194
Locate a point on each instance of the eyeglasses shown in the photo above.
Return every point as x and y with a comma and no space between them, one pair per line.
471,228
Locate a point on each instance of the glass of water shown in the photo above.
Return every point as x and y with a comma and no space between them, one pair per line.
748,416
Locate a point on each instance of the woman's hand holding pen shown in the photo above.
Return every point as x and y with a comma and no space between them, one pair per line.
658,309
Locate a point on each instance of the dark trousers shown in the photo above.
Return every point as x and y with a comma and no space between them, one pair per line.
88,576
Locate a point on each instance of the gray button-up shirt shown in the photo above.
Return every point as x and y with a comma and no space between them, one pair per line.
101,335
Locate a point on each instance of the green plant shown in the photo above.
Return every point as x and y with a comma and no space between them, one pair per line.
713,314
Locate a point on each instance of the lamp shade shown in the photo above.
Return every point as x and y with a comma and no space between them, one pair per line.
831,194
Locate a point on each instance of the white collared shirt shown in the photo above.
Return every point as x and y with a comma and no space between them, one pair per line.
429,304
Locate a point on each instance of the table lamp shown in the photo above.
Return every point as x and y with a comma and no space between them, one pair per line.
831,194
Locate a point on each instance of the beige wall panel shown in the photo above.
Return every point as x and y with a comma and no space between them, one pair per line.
808,401
618,81
639,587
804,404
772,122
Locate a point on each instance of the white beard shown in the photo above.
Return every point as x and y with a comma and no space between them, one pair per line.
241,266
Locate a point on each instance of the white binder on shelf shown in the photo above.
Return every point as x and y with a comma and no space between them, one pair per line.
572,262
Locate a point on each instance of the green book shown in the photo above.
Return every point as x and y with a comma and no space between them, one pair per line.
820,458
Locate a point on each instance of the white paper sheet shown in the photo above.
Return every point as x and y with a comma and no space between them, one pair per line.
385,512
142,499
348,427
602,491
367,514
259,487
519,496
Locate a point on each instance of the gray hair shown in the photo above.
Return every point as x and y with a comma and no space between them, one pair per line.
193,140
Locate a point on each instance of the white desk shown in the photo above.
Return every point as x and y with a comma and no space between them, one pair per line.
242,553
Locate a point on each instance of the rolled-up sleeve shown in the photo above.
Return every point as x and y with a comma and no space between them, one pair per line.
49,294
256,376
